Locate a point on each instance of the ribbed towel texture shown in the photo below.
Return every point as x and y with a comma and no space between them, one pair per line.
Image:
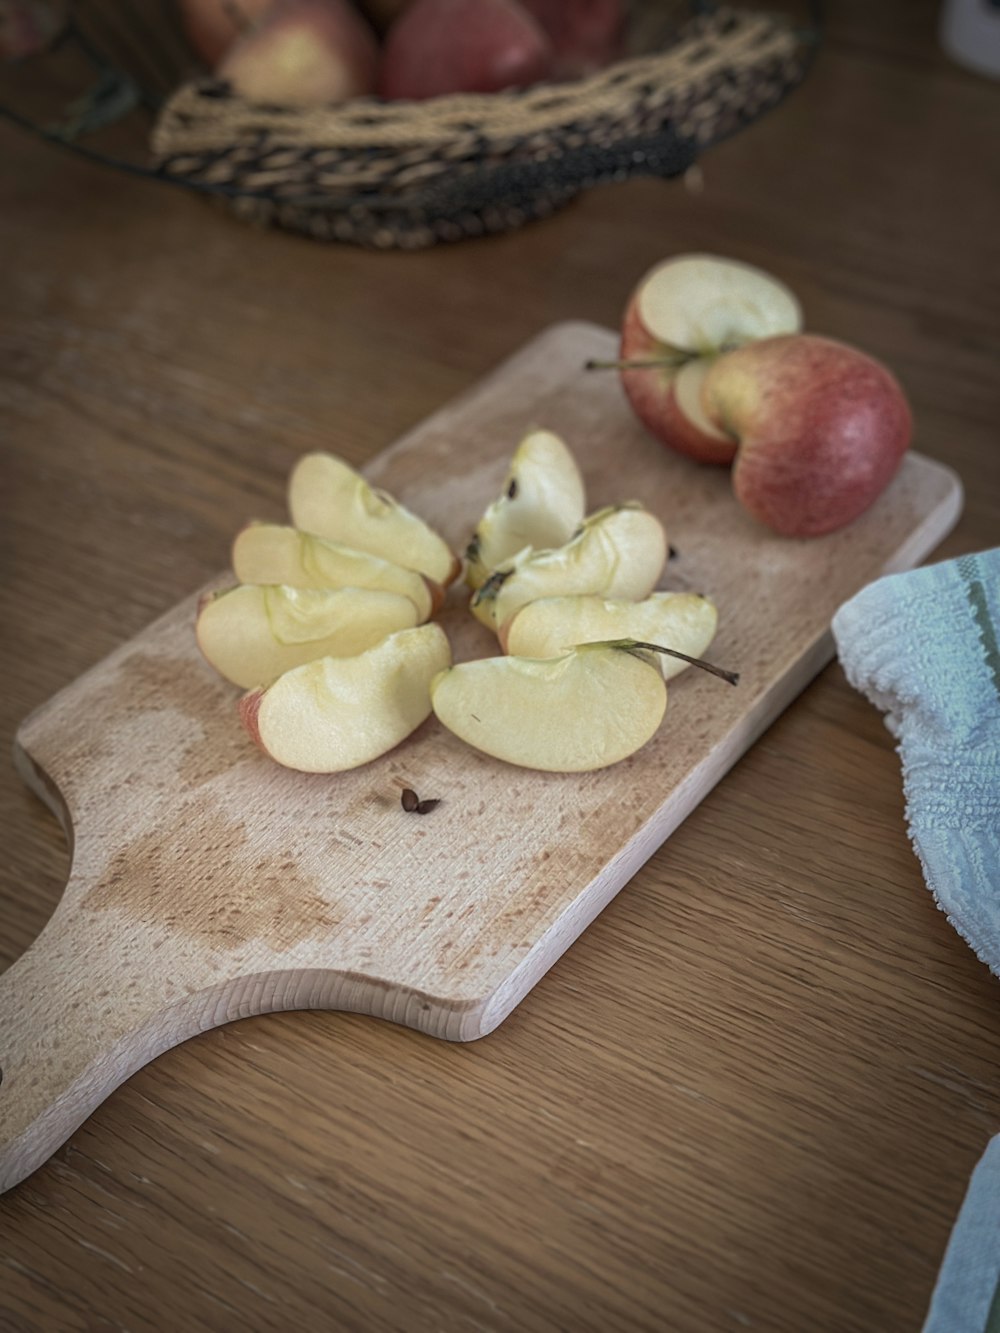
925,648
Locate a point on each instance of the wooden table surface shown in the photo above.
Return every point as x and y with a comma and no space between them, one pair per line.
750,1096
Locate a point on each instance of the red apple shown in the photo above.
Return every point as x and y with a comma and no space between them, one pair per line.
211,26
586,35
454,46
819,429
304,52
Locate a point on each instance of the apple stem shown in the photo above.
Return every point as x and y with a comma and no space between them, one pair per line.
732,677
640,363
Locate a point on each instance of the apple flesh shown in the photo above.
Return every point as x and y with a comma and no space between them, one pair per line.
271,553
820,430
619,552
550,626
304,53
681,316
588,709
326,496
439,47
253,634
337,713
586,35
541,505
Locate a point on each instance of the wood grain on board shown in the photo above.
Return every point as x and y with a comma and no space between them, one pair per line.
209,883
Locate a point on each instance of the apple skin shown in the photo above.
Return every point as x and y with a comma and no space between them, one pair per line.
652,393
304,53
212,26
586,35
248,706
821,426
438,47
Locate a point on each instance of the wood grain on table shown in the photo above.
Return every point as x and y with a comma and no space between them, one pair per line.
751,1094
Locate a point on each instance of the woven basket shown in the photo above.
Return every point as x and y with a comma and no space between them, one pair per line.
408,175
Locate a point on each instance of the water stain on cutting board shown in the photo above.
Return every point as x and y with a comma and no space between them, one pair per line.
203,878
92,734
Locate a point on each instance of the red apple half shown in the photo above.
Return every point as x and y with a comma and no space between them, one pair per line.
682,314
817,428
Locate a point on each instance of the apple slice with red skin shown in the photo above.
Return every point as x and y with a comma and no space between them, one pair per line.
273,553
254,633
328,497
337,713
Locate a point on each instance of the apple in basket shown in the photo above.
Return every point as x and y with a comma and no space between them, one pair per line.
713,364
305,53
439,47
586,35
212,26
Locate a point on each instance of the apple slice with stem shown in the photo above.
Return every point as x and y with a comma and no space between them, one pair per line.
618,552
326,496
550,626
272,553
587,709
541,505
337,713
253,633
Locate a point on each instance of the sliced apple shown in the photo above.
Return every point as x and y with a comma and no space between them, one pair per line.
618,552
328,497
253,633
542,504
272,553
551,626
701,304
337,713
585,710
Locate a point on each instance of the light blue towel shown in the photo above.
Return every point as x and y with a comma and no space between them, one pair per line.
925,648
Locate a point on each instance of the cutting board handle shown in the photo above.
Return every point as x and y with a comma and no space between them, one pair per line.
73,1026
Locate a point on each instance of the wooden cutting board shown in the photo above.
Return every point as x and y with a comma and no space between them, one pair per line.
209,884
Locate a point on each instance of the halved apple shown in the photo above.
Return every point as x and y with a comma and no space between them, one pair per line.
254,633
588,709
328,497
551,626
618,552
272,553
683,314
542,504
337,713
